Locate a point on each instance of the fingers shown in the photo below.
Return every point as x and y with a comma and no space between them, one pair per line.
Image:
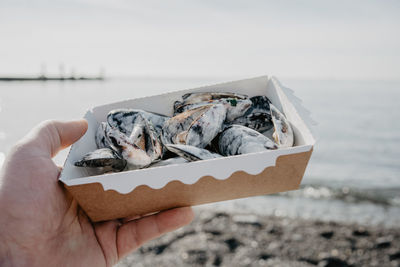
51,136
133,234
106,233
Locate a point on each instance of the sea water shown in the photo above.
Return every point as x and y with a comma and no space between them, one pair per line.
354,172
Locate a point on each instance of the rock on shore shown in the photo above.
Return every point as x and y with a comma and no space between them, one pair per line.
219,239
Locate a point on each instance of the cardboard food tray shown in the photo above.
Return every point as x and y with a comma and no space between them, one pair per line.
144,191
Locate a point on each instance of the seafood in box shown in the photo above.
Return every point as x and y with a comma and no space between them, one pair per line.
130,137
189,147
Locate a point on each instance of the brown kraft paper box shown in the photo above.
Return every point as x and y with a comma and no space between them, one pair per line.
144,191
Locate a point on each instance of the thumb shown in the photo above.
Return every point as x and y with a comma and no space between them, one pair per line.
51,136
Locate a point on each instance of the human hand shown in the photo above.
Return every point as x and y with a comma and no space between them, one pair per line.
42,225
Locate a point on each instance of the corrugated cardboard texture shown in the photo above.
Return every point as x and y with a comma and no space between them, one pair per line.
103,205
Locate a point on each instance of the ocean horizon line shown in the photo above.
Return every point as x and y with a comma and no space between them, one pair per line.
187,77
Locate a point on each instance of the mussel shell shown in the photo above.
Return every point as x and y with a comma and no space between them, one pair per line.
235,107
141,148
192,98
192,153
258,116
170,161
180,123
104,158
144,136
196,127
260,103
283,133
124,119
238,139
100,138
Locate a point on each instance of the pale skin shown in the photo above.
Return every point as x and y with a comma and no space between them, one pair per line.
41,225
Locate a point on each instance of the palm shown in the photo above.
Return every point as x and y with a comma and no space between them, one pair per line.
42,219
55,218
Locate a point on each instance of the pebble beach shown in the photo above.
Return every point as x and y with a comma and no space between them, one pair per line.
225,239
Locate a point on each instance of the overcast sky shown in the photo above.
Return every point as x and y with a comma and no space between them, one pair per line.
300,39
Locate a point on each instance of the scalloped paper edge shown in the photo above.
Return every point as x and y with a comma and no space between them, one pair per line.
200,178
220,169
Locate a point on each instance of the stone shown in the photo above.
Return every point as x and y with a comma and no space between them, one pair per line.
394,256
310,261
333,262
265,256
232,244
383,242
247,220
361,232
217,260
327,234
196,257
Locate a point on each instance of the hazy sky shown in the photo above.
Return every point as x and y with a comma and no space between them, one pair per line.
306,39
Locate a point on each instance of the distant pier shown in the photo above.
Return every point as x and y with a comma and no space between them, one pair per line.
51,78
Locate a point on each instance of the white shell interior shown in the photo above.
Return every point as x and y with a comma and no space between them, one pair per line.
188,173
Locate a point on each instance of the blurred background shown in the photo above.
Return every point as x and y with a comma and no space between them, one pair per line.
341,58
